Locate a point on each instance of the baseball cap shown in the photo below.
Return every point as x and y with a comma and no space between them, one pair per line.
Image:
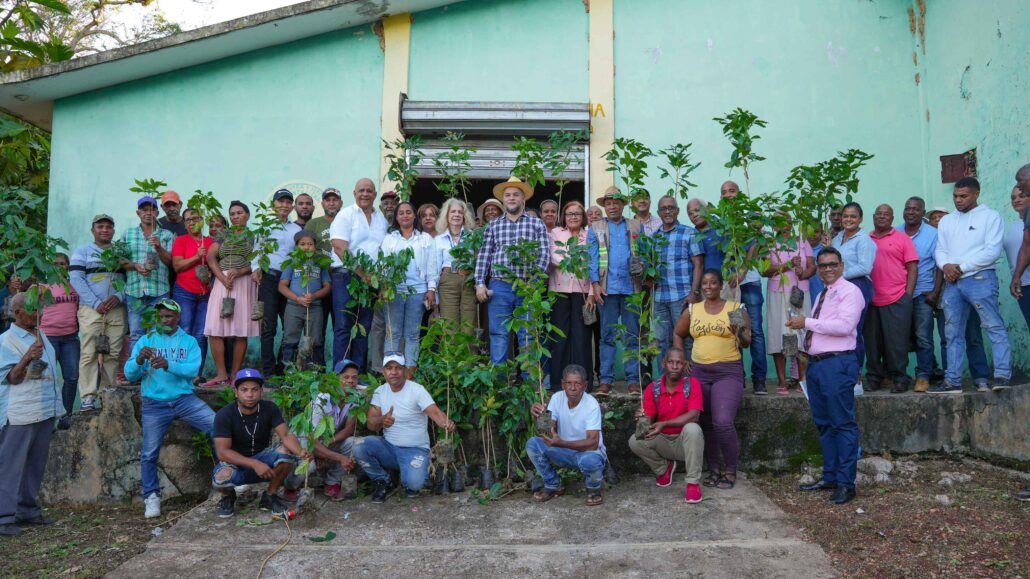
249,374
938,210
102,217
388,194
282,194
344,364
168,304
145,200
170,196
393,357
331,191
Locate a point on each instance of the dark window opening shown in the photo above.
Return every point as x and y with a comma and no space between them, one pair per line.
482,189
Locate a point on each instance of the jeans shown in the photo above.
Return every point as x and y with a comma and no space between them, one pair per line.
546,458
831,395
500,309
66,348
665,316
751,297
405,321
1024,304
615,310
157,417
275,308
193,316
376,455
241,475
980,291
922,327
136,308
979,371
23,453
346,318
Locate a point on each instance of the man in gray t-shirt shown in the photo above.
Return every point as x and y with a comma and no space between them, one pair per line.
405,444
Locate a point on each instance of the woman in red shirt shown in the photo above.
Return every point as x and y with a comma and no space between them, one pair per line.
191,292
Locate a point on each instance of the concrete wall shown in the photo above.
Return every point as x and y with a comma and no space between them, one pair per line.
240,127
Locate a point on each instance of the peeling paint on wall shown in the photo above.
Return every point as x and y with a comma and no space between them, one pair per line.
963,84
917,79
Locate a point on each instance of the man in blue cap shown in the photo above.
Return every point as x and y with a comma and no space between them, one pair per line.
243,433
268,282
151,256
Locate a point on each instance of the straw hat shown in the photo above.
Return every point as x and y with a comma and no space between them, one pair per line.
613,193
513,182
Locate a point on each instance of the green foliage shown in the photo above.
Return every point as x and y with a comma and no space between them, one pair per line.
297,399
816,189
453,165
148,187
575,257
560,156
404,155
529,161
205,204
324,538
25,166
450,368
202,448
308,263
361,398
465,251
492,494
376,280
265,222
25,40
678,167
28,250
737,126
628,160
745,225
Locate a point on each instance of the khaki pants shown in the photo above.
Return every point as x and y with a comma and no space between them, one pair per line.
458,300
91,325
688,447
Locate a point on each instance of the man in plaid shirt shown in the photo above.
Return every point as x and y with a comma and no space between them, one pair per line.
679,278
145,286
501,233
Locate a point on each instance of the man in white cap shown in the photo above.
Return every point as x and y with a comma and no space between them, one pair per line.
404,445
501,233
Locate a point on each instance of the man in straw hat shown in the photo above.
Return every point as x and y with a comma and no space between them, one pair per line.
513,227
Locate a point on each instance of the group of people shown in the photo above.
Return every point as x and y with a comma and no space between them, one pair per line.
868,297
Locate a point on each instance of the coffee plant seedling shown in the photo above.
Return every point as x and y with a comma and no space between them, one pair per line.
737,126
529,161
560,156
678,168
453,165
404,155
628,161
465,251
205,204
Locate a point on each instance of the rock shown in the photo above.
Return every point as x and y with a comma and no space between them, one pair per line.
950,478
862,479
907,468
875,465
882,477
943,499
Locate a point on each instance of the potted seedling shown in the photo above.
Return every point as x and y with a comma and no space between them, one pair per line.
404,155
453,164
206,205
266,223
309,264
149,187
376,281
112,261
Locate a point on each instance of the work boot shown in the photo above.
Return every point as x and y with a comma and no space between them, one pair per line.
922,385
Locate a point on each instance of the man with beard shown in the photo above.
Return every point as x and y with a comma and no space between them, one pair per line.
305,207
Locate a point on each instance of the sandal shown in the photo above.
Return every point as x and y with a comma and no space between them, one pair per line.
214,384
725,483
545,494
594,498
712,479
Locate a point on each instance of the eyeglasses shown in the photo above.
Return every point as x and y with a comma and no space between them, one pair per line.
829,265
666,209
573,215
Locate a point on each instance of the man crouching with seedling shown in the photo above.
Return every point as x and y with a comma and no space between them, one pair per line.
243,432
667,428
404,445
574,440
339,452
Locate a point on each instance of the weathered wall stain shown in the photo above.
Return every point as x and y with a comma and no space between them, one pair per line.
963,84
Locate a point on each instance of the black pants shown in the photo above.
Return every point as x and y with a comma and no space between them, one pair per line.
275,308
23,454
574,348
887,330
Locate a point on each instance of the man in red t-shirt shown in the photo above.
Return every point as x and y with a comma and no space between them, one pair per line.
888,324
674,434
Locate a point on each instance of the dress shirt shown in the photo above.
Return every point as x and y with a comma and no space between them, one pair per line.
503,232
972,240
858,254
835,330
284,236
352,226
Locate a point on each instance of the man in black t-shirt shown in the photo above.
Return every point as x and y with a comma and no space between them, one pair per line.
243,432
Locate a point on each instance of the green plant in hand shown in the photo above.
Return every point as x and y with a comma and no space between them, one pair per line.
464,252
265,223
377,281
298,399
29,252
205,204
148,187
530,155
404,155
560,156
737,126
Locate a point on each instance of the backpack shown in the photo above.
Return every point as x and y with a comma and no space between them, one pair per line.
656,389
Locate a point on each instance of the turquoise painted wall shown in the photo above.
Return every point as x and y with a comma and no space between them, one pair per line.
499,50
305,111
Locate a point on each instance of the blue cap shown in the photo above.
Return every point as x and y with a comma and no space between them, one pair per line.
249,374
146,200
282,194
344,364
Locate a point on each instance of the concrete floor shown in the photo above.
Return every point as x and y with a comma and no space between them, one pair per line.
640,531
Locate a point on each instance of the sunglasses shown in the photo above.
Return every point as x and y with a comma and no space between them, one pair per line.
829,265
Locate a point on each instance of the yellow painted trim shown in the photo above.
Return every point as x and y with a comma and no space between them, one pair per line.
602,93
397,50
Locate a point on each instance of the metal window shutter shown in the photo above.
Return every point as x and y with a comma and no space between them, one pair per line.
492,159
493,119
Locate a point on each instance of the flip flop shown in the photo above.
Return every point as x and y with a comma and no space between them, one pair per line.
544,495
210,384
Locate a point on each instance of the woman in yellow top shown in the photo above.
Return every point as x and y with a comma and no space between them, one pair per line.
718,365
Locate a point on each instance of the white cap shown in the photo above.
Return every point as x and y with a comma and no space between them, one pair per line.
938,210
393,357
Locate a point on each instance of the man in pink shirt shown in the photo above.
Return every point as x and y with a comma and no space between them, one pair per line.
889,321
832,366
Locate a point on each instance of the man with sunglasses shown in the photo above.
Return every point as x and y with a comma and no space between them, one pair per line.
830,343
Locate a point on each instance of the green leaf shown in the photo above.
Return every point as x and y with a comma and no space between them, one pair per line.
323,539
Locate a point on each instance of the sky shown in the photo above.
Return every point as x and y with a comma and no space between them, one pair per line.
192,14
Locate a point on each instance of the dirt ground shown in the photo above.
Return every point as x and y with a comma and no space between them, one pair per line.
902,528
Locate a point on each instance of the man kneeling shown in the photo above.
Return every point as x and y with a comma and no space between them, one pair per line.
575,441
404,445
243,432
674,405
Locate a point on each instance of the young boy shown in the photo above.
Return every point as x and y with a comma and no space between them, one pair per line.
304,302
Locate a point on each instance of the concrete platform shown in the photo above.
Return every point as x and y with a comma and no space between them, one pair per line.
640,531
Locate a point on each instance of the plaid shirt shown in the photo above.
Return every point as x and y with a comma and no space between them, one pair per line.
156,283
676,272
502,232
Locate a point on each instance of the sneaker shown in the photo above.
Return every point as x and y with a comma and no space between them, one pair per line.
410,493
227,506
758,387
153,506
666,478
9,530
693,493
945,388
89,404
384,489
859,389
1023,495
982,387
1001,384
333,492
290,495
272,503
922,385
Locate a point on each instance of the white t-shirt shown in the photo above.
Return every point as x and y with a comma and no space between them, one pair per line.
409,414
573,423
351,226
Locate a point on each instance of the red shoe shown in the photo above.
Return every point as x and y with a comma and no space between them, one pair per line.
333,492
290,495
693,494
666,478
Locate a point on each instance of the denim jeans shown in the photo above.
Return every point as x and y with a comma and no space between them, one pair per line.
500,308
241,475
922,327
615,310
665,316
405,321
157,417
193,316
547,458
66,348
376,456
1024,304
136,308
275,310
751,297
345,318
979,371
979,291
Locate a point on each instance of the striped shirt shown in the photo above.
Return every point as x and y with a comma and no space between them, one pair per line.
676,272
503,232
156,283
